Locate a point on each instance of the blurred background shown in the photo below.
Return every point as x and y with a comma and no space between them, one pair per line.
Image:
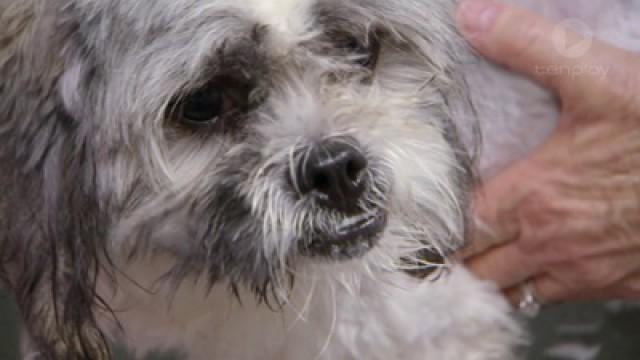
567,332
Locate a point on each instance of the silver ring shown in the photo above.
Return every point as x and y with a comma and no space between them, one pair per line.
529,304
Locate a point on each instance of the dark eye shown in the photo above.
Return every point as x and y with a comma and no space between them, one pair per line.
363,53
204,106
221,105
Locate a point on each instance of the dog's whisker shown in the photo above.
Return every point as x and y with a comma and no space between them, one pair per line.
334,318
301,315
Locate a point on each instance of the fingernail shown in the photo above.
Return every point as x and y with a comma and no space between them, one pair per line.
478,16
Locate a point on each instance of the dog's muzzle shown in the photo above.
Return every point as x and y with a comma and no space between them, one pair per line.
333,173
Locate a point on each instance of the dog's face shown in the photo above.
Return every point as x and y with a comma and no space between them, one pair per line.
249,137
245,138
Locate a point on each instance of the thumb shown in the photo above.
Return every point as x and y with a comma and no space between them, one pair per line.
560,59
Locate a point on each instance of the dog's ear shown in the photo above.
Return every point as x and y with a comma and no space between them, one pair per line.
427,29
51,225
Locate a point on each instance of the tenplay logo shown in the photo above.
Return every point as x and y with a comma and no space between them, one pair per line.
564,43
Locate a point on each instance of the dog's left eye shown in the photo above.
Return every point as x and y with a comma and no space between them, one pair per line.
363,53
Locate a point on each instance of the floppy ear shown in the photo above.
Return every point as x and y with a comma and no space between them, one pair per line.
51,225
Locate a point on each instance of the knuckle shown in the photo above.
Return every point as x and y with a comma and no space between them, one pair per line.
537,217
631,288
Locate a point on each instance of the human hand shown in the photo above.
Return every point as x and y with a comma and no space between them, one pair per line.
567,218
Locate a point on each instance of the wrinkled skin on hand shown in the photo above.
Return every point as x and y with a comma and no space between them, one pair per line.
567,218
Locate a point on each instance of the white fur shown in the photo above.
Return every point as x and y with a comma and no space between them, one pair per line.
367,308
351,311
334,314
285,15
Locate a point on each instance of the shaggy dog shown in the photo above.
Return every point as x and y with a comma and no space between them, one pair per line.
257,179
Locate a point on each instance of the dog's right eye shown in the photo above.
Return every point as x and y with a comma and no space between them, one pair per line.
204,107
220,106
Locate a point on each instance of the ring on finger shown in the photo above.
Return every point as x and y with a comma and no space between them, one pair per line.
529,304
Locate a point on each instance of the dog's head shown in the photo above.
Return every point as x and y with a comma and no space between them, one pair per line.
245,138
263,134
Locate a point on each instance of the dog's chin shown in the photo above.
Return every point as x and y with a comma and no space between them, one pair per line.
352,239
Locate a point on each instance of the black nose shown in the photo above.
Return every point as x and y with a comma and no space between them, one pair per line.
334,173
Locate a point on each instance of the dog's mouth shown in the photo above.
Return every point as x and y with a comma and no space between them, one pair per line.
355,237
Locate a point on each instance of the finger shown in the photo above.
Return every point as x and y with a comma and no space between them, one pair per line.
628,289
506,266
546,290
589,277
551,54
495,208
549,290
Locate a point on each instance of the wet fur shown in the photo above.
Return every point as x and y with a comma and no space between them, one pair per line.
113,215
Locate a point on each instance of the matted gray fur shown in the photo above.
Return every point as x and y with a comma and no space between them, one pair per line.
125,217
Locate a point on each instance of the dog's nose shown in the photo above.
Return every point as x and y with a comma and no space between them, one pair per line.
334,173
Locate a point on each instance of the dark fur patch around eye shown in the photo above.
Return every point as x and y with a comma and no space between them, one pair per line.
346,38
229,86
